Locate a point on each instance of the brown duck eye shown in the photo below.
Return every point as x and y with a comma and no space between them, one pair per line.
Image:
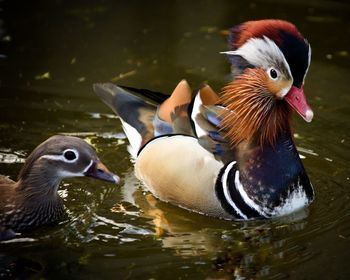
70,155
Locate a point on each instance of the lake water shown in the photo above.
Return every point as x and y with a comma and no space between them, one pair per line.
51,53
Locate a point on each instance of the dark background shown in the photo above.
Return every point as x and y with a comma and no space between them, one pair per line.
51,52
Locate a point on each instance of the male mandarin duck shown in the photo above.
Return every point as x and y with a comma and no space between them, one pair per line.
33,200
230,156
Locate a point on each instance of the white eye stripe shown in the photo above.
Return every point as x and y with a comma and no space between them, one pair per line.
62,157
308,65
262,52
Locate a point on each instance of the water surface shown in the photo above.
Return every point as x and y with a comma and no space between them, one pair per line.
53,51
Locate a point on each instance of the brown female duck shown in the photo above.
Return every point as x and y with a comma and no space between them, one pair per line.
33,200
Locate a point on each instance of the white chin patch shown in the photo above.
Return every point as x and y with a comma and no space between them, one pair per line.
283,92
68,174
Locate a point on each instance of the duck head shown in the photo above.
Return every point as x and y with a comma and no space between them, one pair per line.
270,60
62,157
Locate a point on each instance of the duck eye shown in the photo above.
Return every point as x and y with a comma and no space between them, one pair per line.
273,74
70,155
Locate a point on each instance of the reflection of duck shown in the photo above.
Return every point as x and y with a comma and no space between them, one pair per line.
33,200
194,235
232,162
171,225
249,249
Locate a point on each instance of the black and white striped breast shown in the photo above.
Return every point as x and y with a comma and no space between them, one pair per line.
244,200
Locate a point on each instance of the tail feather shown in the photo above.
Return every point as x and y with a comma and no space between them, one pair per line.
153,97
136,114
146,114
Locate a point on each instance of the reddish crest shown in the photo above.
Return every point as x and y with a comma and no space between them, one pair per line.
270,28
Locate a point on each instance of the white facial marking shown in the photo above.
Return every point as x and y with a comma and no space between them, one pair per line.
262,52
67,174
226,191
283,92
309,62
64,173
71,152
62,157
87,167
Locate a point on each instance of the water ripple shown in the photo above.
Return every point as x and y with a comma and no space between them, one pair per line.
9,157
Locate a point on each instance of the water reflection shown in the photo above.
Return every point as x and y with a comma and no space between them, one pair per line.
8,157
101,215
18,267
239,249
46,79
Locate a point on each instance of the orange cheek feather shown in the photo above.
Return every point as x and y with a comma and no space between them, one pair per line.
276,86
252,111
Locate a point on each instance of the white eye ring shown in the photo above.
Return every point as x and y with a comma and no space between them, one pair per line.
70,155
273,73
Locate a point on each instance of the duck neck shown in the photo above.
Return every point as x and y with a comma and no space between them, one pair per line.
38,186
37,201
264,181
252,156
273,169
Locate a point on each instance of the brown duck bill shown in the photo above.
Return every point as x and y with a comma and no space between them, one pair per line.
297,100
99,171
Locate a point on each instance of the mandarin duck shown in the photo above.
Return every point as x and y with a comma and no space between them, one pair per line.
33,200
230,156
